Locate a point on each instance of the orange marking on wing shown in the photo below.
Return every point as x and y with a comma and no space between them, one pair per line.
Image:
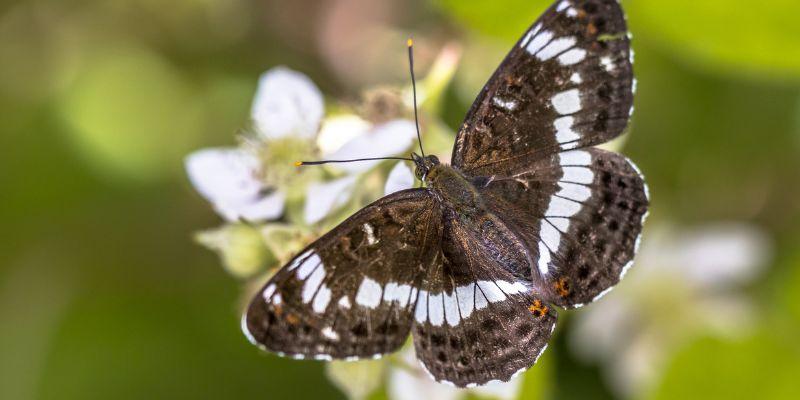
538,309
562,287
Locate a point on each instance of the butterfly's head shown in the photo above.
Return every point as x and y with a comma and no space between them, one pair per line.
424,165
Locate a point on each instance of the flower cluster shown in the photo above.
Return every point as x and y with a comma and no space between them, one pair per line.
257,181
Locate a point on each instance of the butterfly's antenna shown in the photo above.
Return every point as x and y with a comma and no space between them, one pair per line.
414,90
301,163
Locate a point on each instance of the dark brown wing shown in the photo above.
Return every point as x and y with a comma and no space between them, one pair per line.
567,83
475,321
581,213
351,294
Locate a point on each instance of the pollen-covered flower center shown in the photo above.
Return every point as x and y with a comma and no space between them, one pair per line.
278,159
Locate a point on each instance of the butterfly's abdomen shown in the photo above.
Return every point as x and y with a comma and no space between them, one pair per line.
454,189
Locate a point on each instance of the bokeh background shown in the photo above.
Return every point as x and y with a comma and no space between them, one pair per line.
105,294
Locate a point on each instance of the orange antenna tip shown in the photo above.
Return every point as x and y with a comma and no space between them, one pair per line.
410,42
298,163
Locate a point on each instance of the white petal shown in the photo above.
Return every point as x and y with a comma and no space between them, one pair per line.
414,383
385,140
261,209
224,173
286,103
500,390
322,198
399,179
337,131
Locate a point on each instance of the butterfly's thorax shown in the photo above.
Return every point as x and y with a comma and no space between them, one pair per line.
454,188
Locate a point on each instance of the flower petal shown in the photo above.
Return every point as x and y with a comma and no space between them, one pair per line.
339,130
224,174
261,208
286,103
385,140
400,178
227,177
500,390
322,198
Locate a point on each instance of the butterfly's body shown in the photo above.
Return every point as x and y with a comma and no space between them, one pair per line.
453,188
527,216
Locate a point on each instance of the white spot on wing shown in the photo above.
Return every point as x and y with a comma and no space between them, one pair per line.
480,299
451,309
307,266
575,157
321,300
421,312
313,282
576,78
329,333
564,132
466,299
555,48
550,236
538,42
577,175
567,102
395,292
559,207
268,291
561,6
544,259
491,291
574,191
571,57
511,287
344,302
298,260
607,63
368,230
435,309
509,105
572,12
369,293
562,224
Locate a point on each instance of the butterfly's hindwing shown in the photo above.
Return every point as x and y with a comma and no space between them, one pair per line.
351,294
568,83
475,322
584,231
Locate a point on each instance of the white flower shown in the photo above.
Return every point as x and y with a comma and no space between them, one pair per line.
382,140
286,104
228,178
400,178
322,198
684,285
287,113
413,383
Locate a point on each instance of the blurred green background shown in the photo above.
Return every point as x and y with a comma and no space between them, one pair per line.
103,293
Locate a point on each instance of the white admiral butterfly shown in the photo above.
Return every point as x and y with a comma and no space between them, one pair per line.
528,216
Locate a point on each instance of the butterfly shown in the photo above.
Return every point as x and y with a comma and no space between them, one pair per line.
528,216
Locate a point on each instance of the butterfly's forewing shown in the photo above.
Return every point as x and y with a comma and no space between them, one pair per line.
475,321
581,213
351,294
567,83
